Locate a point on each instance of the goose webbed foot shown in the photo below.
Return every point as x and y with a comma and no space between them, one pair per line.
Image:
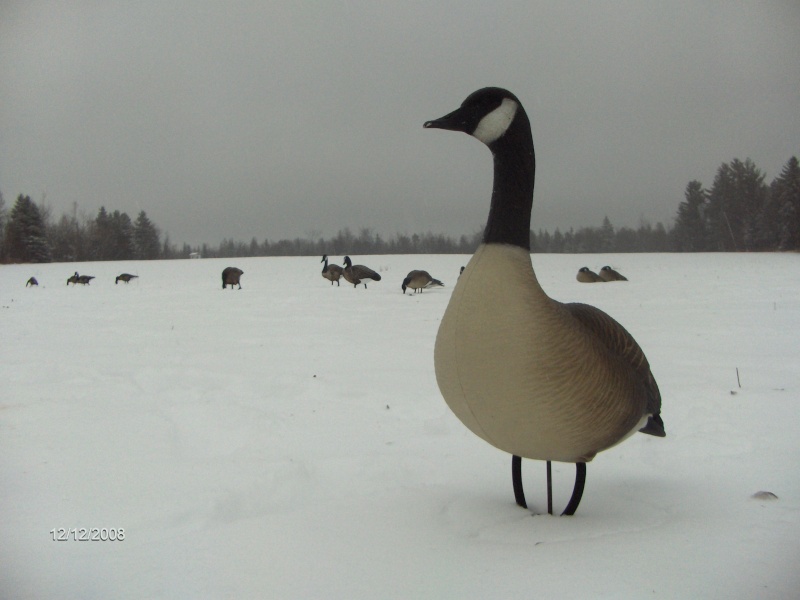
577,492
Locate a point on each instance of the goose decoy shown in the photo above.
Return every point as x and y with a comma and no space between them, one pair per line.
532,376
31,282
356,274
126,277
84,279
231,277
331,272
419,280
586,275
609,274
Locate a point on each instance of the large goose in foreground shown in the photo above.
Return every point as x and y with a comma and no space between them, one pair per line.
356,274
532,376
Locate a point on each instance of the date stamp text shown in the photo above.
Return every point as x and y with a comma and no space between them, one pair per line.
87,534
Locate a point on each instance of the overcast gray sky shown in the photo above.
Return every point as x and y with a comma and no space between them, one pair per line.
286,119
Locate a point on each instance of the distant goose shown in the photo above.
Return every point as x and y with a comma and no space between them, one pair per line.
532,376
331,272
126,277
73,279
356,274
419,280
32,282
586,275
231,276
609,274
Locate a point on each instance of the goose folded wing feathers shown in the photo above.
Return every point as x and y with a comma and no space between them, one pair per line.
619,342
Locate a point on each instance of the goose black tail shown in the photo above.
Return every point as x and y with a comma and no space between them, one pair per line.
654,426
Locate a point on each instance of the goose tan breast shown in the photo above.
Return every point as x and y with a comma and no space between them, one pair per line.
522,373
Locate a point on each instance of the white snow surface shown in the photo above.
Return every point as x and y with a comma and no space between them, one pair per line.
288,440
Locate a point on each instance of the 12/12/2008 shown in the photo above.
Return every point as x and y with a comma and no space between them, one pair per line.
88,534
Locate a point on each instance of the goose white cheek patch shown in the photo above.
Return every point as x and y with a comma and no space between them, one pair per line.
495,124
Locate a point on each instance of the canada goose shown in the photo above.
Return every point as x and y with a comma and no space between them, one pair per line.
73,279
331,272
85,279
419,280
32,282
126,277
356,274
586,275
231,276
532,376
609,274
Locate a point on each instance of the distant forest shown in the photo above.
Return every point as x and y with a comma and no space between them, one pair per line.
740,212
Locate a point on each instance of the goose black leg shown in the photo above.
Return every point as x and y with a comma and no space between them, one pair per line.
577,492
516,479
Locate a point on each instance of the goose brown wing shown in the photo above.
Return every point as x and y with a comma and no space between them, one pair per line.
621,343
362,272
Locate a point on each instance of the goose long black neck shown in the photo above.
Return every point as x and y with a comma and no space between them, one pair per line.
512,192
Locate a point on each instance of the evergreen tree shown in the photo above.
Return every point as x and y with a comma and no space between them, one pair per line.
145,238
690,232
25,238
606,236
121,229
735,203
2,227
785,200
100,242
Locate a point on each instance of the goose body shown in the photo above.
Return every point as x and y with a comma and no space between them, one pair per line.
231,276
419,280
84,279
529,374
31,282
356,274
331,272
532,376
609,274
126,277
586,275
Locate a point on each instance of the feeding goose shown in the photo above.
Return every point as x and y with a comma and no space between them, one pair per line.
73,279
231,276
31,282
586,275
419,280
532,376
331,272
356,274
609,274
126,277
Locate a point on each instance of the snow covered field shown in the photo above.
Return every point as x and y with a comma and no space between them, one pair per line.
289,441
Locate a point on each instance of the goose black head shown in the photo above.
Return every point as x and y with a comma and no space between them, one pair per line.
347,261
406,281
486,115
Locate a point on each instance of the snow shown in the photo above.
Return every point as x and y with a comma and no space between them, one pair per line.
288,440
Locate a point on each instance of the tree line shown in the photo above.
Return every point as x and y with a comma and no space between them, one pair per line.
740,212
